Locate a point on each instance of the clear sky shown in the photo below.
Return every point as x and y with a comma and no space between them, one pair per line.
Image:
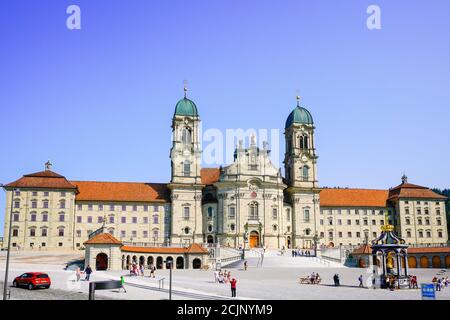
98,101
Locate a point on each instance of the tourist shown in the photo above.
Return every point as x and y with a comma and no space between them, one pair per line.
233,287
312,277
152,270
220,278
317,280
122,282
88,272
245,265
78,273
216,276
142,270
360,279
438,285
446,281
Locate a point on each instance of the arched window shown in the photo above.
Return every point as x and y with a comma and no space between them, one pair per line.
186,230
187,168
210,212
232,227
186,137
210,228
306,215
253,211
307,232
305,173
304,141
62,204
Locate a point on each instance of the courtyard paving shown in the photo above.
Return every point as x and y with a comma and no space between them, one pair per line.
276,279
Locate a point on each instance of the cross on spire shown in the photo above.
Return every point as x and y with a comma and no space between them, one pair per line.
48,166
185,82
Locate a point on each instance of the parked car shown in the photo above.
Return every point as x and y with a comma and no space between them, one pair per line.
32,280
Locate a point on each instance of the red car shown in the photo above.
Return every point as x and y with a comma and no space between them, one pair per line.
32,280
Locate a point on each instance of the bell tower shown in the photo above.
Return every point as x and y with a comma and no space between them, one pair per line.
300,163
186,226
300,157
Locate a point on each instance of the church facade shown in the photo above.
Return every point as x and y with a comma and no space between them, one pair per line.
248,203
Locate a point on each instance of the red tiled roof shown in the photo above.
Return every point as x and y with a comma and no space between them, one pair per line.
121,191
44,179
353,198
194,248
429,250
366,249
103,238
408,190
210,175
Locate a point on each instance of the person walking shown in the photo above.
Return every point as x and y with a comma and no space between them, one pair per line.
360,279
245,265
152,271
122,281
438,285
335,279
88,272
78,273
233,287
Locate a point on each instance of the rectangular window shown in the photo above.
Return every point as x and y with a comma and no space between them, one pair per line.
80,207
186,213
123,219
274,213
32,232
357,222
100,219
15,232
155,208
89,219
123,234
90,207
43,232
79,219
145,208
349,234
358,234
428,234
111,219
340,234
124,208
427,211
381,222
45,204
438,212
111,207
33,217
16,204
420,234
16,217
34,193
339,221
406,210
232,213
374,222
306,215
134,233
408,234
321,222
63,194
187,168
61,232
17,193
34,204
61,218
100,207
155,219
349,222
78,233
374,234
134,219
134,208
419,211
145,220
145,234
440,234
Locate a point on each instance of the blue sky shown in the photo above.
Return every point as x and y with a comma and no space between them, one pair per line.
98,101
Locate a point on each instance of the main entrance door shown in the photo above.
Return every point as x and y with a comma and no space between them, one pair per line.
254,239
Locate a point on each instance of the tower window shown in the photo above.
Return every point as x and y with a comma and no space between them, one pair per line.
304,141
305,173
187,168
186,136
186,213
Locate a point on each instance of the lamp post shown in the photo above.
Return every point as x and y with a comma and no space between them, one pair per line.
169,263
5,283
315,239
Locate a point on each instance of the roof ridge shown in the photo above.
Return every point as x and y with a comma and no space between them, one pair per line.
130,182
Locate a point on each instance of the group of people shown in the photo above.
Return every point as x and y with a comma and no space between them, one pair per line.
87,271
440,283
314,278
336,280
297,253
225,278
139,270
413,282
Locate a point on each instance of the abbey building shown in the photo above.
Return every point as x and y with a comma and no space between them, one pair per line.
248,203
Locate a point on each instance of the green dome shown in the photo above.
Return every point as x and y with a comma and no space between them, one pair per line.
186,107
299,115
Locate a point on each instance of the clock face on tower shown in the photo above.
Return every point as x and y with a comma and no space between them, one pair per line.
304,158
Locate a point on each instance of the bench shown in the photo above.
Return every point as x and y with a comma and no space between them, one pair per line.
307,280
